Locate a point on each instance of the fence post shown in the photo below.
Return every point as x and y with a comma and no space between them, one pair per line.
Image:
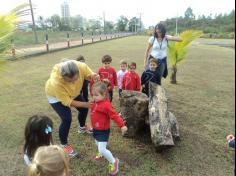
92,37
47,45
82,38
111,35
106,35
100,35
13,50
68,39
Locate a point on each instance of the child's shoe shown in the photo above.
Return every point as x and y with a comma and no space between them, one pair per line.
114,168
98,156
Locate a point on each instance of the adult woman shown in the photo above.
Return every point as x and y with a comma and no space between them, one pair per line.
63,91
159,42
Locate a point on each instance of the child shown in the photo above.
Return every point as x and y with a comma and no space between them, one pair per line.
49,161
84,90
101,113
109,73
150,75
131,80
120,74
231,141
38,132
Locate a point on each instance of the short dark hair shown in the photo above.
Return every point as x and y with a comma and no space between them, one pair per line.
37,133
80,58
162,28
106,58
153,60
132,64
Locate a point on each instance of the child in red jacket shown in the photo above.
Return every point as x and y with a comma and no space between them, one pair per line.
107,72
101,113
131,80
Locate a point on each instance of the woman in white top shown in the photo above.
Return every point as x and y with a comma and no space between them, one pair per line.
159,43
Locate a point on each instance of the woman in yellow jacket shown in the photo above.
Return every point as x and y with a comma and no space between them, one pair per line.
63,91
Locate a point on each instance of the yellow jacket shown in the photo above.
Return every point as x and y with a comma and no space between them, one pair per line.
64,91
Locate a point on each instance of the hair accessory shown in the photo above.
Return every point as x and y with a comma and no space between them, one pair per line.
48,129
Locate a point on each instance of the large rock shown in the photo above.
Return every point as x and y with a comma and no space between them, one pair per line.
163,124
134,110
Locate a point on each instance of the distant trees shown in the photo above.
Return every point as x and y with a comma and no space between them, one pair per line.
218,26
79,23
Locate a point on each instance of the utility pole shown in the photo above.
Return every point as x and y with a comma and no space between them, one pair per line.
104,22
140,22
34,29
176,25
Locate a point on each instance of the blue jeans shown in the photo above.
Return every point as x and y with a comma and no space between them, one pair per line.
161,66
64,113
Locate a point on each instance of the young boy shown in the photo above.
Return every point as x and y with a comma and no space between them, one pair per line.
131,80
108,73
150,75
120,74
84,90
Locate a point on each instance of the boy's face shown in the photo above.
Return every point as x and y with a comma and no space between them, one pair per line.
123,67
107,65
153,66
132,69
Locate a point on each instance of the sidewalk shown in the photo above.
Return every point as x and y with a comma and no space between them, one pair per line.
42,49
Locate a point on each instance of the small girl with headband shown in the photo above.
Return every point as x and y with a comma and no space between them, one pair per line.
49,161
38,132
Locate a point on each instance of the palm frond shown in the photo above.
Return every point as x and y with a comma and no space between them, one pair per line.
8,25
178,50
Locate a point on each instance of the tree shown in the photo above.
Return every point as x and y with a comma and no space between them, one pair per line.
41,23
109,26
134,24
55,22
77,23
122,23
189,13
178,50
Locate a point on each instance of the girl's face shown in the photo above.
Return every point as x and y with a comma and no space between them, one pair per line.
153,66
97,96
123,67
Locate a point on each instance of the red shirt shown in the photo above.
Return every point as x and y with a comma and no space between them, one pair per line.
101,113
109,74
131,81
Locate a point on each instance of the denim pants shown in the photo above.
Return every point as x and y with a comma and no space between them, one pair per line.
64,113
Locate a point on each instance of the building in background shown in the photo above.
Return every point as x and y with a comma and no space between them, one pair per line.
65,12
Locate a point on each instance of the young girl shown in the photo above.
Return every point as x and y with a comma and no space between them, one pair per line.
38,132
101,113
131,80
49,161
150,75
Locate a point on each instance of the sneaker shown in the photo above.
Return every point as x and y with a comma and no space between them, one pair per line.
69,150
114,168
85,129
98,156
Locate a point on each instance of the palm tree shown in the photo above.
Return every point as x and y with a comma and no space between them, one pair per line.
178,50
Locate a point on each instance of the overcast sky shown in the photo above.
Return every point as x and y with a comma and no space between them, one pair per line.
152,11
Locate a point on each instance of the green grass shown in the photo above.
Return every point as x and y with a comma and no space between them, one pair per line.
203,102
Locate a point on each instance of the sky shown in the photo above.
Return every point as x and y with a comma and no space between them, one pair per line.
152,11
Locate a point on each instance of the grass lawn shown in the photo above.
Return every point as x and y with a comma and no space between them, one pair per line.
203,102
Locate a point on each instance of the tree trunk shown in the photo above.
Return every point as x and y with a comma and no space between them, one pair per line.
134,110
173,75
163,124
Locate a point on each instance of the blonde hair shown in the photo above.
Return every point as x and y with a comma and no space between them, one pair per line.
101,87
49,161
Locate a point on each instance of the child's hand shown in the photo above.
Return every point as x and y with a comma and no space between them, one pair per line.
230,137
124,130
